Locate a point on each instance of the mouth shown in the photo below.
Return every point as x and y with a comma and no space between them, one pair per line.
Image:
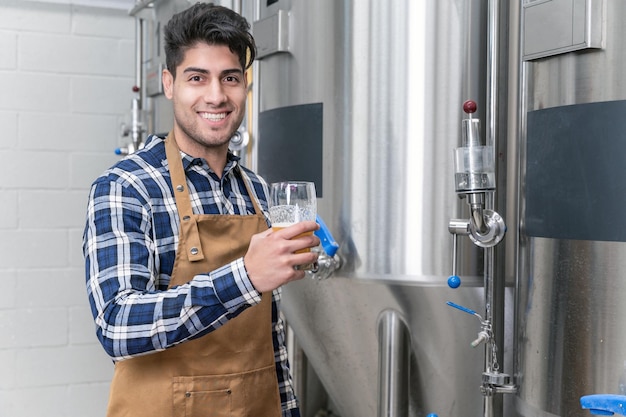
213,117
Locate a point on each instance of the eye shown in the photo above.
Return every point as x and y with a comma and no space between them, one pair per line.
231,79
195,78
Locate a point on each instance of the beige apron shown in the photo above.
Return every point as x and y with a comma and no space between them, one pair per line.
230,372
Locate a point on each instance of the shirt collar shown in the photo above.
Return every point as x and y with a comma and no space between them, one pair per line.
232,160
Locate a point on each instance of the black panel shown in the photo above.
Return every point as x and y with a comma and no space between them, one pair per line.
290,144
576,172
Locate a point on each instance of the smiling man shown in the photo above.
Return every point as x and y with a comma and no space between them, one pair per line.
183,274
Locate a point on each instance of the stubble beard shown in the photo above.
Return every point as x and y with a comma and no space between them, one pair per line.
205,136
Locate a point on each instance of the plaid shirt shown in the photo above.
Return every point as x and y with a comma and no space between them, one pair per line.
130,242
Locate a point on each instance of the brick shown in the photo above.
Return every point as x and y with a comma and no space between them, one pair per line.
8,283
99,22
33,327
63,366
69,132
43,92
33,249
8,209
35,17
30,402
76,55
7,364
82,327
32,284
52,169
85,168
87,400
77,260
101,95
8,121
64,208
8,51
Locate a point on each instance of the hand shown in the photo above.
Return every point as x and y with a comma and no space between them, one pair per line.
271,257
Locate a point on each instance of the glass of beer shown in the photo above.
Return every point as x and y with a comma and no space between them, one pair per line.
292,202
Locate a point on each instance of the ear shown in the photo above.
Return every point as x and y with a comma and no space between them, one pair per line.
168,82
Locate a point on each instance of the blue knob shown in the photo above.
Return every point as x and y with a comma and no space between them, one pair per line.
118,151
454,281
604,404
432,415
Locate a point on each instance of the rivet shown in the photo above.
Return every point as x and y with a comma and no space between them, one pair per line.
187,394
194,251
179,188
186,218
228,391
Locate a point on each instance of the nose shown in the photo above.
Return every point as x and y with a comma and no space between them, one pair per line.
215,93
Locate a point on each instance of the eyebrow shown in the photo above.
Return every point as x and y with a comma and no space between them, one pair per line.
205,71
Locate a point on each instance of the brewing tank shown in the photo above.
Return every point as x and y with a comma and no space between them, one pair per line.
365,98
570,311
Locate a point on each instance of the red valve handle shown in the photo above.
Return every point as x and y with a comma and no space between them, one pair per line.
469,106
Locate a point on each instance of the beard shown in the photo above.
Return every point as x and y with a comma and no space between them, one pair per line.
206,136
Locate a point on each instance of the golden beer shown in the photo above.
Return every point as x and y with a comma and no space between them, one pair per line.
280,226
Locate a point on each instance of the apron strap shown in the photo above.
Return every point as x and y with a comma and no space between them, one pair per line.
188,223
247,182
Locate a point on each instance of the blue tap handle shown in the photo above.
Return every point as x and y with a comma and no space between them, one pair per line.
326,238
465,309
604,404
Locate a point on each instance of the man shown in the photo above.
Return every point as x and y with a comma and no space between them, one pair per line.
183,275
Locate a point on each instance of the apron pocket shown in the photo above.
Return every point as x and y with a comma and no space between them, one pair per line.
201,397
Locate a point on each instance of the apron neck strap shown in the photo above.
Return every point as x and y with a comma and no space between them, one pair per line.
179,179
191,244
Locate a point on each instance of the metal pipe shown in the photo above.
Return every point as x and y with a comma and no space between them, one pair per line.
476,202
493,33
138,52
393,365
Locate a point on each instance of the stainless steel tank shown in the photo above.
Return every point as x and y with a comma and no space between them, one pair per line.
365,98
572,253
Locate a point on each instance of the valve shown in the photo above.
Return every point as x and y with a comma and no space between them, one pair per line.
474,177
135,127
493,381
474,163
328,260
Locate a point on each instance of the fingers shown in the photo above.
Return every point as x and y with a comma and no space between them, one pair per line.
273,255
299,236
297,229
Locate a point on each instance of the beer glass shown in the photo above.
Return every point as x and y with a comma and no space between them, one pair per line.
292,202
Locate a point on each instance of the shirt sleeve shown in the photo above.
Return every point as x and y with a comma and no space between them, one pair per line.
132,316
285,383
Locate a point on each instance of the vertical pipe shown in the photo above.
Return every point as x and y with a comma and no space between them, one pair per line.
493,33
138,52
137,103
393,365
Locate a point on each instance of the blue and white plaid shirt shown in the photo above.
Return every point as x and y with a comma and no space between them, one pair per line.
130,243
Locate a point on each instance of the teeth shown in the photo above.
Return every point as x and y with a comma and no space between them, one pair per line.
213,116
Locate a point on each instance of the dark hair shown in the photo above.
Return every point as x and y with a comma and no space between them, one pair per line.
214,25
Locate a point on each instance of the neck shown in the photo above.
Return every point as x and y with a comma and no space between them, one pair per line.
215,156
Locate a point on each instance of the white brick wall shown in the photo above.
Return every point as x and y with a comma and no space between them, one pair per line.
66,74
